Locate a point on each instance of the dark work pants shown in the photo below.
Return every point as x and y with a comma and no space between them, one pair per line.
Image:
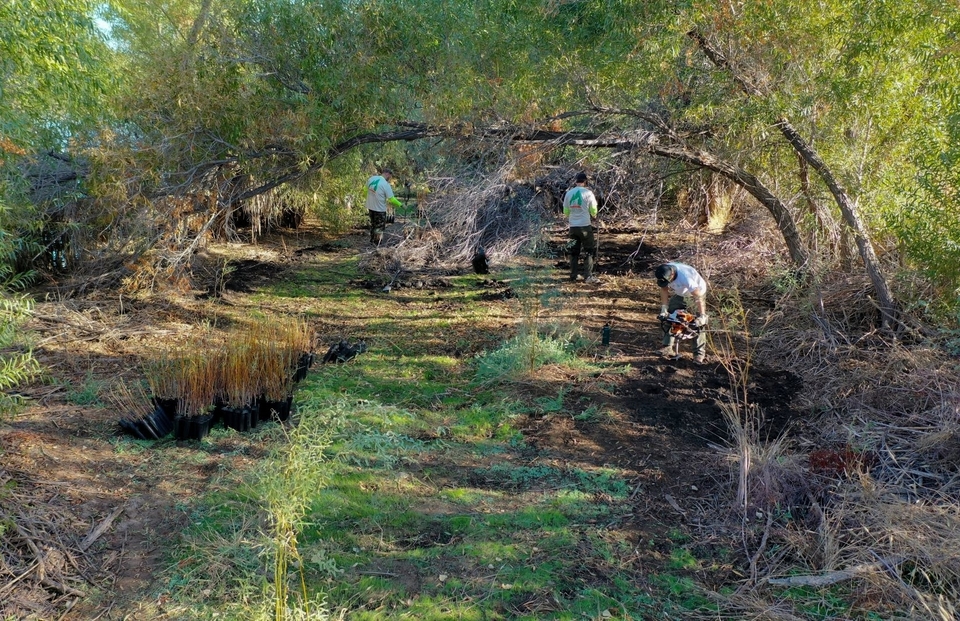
583,241
378,223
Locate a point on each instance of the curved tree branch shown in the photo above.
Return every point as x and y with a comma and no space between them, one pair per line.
848,208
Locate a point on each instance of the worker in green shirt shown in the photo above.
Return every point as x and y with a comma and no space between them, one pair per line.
379,195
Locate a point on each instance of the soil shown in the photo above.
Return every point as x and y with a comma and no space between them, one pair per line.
108,514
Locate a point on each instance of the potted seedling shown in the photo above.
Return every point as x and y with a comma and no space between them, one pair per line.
239,383
197,390
164,374
297,336
145,420
276,382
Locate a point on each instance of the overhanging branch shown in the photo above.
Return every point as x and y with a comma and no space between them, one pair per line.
662,143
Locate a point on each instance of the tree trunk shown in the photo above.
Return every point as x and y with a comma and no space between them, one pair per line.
851,216
885,299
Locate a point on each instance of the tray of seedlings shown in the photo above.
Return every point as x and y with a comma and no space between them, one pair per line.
247,377
144,419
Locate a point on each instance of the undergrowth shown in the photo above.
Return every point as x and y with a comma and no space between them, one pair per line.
408,491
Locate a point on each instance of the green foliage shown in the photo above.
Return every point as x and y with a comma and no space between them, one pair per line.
87,393
17,364
927,223
287,485
13,277
522,354
682,558
384,448
684,593
55,67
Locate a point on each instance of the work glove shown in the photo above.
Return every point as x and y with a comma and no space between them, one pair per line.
664,313
700,322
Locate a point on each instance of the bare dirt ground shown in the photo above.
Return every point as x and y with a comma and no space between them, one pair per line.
93,520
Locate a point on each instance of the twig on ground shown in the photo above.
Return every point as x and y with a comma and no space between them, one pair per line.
99,530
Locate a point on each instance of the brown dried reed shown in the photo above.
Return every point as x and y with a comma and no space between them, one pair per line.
261,360
163,374
239,383
130,399
199,386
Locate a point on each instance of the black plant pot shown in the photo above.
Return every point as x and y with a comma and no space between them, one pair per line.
153,426
239,419
168,405
275,410
192,427
303,366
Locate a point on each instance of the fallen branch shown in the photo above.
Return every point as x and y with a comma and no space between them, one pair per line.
833,577
62,588
673,503
99,530
9,586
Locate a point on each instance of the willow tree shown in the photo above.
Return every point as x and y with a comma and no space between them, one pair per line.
273,91
847,86
55,69
826,107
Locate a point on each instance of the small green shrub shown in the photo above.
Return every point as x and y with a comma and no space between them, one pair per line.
87,393
522,354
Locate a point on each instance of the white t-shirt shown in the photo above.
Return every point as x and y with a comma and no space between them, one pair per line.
687,282
579,204
378,191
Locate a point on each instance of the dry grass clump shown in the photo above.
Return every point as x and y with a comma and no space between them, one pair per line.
386,260
887,517
767,477
829,337
912,545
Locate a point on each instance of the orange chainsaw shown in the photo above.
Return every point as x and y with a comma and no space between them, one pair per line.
679,325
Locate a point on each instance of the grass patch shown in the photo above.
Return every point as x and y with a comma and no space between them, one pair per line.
524,354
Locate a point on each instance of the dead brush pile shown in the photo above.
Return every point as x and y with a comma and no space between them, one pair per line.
504,215
458,217
39,571
879,460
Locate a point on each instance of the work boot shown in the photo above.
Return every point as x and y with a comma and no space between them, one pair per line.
700,359
669,353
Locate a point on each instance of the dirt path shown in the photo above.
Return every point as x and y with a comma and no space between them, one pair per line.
664,419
